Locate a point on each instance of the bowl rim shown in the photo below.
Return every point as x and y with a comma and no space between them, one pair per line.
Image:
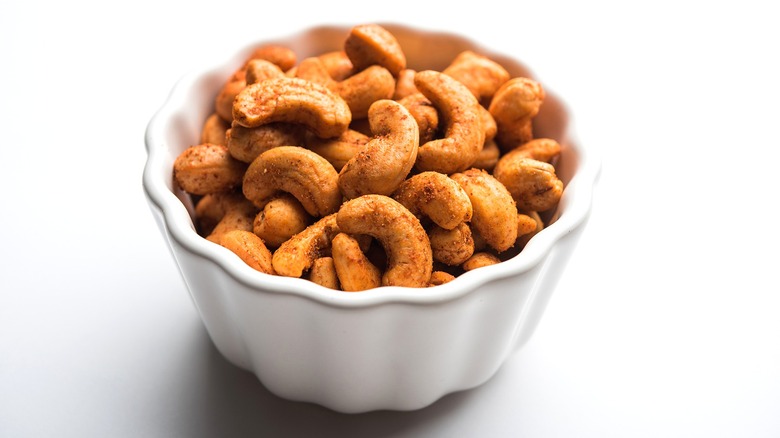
574,207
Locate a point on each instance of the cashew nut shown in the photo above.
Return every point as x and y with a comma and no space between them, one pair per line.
523,239
297,254
424,114
355,272
292,100
404,84
323,272
488,157
533,184
216,213
258,70
214,130
249,248
464,134
436,196
371,44
495,213
385,161
440,277
295,170
338,151
279,55
513,107
400,233
207,168
451,247
359,91
246,144
280,219
337,64
541,149
481,75
480,260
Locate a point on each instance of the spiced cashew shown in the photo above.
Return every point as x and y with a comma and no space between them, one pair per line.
249,248
436,196
297,254
385,161
207,168
355,272
298,171
460,112
400,233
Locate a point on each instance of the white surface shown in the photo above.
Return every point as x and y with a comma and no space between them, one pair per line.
664,324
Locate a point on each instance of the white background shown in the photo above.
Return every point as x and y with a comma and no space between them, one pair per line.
666,322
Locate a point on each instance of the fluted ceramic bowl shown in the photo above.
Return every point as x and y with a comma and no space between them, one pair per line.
388,348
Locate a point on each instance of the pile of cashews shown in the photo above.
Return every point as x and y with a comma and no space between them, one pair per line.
353,171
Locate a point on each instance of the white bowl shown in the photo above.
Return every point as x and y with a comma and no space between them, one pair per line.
387,348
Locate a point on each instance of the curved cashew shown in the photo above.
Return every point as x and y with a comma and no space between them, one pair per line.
279,55
354,270
481,75
207,168
464,134
214,130
480,260
495,213
533,184
451,247
298,171
297,254
323,272
337,64
217,213
280,219
488,158
404,84
439,278
249,248
424,114
523,239
359,91
258,70
385,161
338,151
436,196
540,149
292,100
513,107
371,44
246,144
408,249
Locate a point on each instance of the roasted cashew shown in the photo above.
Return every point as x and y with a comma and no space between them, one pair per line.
371,44
440,277
297,254
451,247
523,239
292,100
480,260
424,114
359,91
385,161
216,213
400,233
404,84
338,151
337,64
259,70
214,130
246,144
527,223
541,149
281,56
464,134
207,168
488,157
513,107
323,272
481,75
280,219
533,184
249,248
436,196
295,170
354,270
495,213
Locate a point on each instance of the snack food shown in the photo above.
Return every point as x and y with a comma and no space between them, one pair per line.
447,171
